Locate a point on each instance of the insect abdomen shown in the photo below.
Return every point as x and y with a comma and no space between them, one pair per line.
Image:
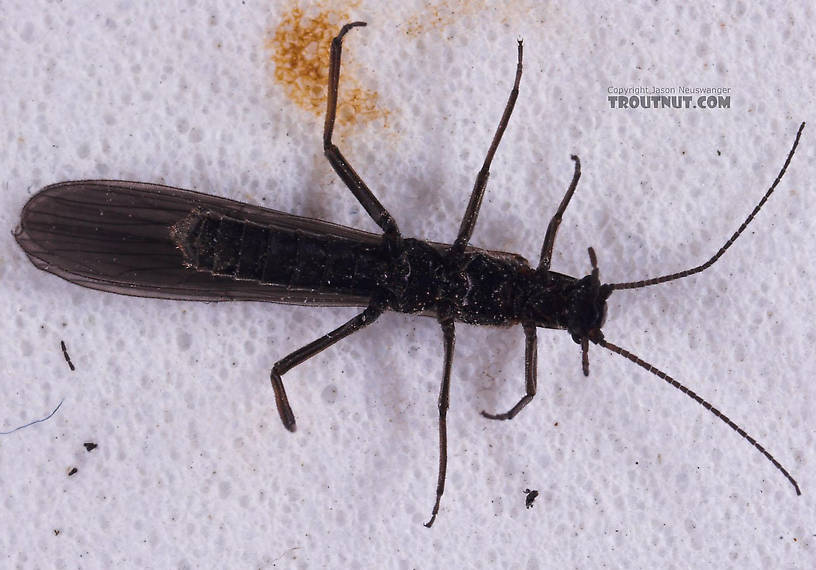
225,246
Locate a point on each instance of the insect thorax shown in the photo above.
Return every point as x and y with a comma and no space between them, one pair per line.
480,288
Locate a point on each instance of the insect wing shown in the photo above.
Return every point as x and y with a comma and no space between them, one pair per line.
115,236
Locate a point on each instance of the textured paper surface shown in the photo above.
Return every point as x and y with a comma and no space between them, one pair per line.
193,468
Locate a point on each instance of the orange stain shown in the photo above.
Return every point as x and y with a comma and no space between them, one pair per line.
300,52
443,14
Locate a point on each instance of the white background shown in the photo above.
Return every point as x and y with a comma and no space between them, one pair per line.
193,468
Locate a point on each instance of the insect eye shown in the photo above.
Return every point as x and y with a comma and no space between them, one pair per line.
603,316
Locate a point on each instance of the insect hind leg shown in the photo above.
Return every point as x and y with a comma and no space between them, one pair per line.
302,354
341,166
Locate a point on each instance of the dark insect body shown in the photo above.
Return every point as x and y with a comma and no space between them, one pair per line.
155,241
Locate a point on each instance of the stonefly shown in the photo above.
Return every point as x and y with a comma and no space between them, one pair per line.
149,240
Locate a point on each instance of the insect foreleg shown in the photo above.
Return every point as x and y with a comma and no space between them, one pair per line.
302,354
530,368
444,398
347,174
552,228
472,212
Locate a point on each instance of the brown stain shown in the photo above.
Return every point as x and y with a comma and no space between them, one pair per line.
299,47
443,14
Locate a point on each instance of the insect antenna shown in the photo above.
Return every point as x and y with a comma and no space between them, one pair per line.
693,395
722,250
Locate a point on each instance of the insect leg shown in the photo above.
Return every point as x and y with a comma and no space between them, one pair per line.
552,228
469,220
302,354
444,392
344,170
530,365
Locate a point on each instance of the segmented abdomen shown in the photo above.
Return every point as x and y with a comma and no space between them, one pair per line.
241,249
